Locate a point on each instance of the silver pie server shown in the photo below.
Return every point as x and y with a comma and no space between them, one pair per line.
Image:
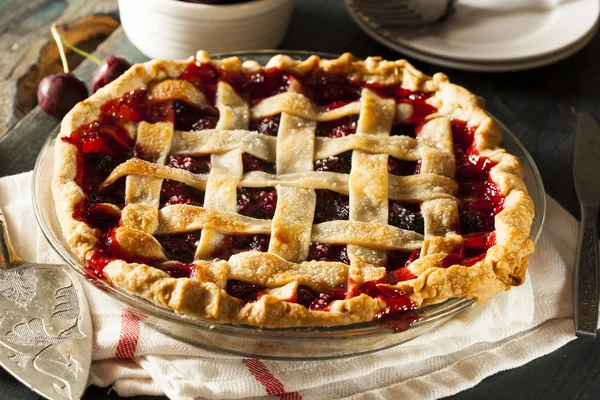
586,174
46,334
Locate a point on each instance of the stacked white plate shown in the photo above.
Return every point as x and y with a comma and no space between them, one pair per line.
492,35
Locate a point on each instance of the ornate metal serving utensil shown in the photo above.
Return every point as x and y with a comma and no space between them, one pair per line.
46,332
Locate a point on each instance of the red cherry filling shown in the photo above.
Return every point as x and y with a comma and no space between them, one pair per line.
185,116
477,243
331,206
108,249
240,243
137,106
204,76
251,163
173,192
406,216
105,136
200,73
314,300
113,194
337,128
245,291
481,202
98,216
403,129
417,99
472,221
130,107
188,117
377,289
102,217
325,89
98,167
180,247
178,269
328,252
207,122
341,163
398,307
470,166
402,167
267,126
257,202
259,85
471,251
397,261
397,302
102,145
254,86
453,259
194,164
481,198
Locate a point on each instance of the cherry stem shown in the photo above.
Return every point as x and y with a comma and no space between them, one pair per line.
61,50
81,52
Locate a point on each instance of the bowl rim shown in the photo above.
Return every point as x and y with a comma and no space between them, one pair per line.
438,311
243,9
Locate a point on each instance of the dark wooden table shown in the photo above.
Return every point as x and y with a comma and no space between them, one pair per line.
539,106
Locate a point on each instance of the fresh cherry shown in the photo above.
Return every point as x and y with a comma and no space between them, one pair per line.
110,69
58,93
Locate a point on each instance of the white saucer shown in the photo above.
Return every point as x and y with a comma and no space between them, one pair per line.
484,67
497,31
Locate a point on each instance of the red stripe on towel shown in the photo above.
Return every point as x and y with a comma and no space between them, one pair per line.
130,332
272,385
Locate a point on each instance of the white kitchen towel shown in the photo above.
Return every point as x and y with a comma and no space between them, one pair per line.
510,330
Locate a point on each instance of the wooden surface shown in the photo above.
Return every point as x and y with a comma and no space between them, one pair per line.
29,53
539,106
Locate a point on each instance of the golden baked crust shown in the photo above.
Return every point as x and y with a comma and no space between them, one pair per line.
284,268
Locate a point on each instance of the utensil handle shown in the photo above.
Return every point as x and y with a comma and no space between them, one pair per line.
8,256
586,275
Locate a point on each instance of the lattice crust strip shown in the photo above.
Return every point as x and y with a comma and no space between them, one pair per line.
368,186
226,169
367,233
412,188
291,229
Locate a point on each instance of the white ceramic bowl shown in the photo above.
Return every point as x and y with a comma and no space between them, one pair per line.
171,29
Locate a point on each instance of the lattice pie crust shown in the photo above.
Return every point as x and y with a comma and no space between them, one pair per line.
283,267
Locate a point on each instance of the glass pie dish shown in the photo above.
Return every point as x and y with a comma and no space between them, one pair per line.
287,343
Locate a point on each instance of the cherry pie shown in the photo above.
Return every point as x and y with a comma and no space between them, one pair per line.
301,193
